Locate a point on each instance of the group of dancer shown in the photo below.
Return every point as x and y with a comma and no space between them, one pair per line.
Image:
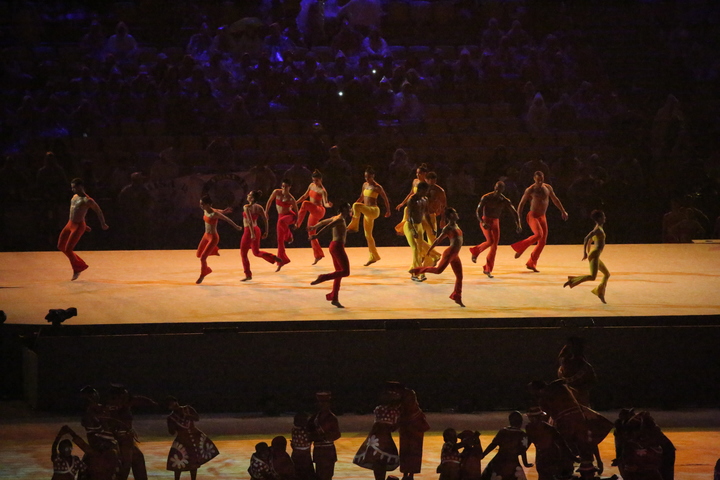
562,426
111,451
421,208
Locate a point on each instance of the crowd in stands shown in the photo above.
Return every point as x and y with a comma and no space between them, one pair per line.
480,92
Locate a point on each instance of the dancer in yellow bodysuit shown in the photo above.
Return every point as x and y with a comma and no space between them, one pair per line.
367,206
597,237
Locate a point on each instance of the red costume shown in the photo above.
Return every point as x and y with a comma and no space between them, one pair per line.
379,450
538,225
69,237
492,239
191,447
283,228
248,243
449,257
412,427
316,212
342,269
208,245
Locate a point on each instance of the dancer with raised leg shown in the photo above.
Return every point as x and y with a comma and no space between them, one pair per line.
596,238
251,236
488,213
209,243
337,251
539,194
449,256
367,206
287,210
76,226
314,207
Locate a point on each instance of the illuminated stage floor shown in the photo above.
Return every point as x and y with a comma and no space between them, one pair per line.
126,287
25,446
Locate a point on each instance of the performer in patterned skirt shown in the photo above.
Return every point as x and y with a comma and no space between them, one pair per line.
378,452
191,447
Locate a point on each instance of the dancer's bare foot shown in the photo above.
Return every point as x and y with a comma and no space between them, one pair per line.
532,268
246,279
280,263
567,284
317,259
457,299
474,258
77,273
200,279
337,304
371,261
316,281
490,275
600,295
518,254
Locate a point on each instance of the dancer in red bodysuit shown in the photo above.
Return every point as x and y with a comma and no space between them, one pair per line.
488,213
251,236
337,251
76,227
209,243
539,194
450,255
317,201
287,215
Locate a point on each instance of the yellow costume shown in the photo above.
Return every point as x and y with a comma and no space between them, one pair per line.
370,213
419,247
595,265
427,225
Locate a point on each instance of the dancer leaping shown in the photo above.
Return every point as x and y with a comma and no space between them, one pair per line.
450,256
317,200
337,251
596,237
209,243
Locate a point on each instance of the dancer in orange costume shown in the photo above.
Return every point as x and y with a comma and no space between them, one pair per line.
317,201
76,226
597,238
337,251
450,255
209,243
488,214
367,206
287,215
539,194
251,236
